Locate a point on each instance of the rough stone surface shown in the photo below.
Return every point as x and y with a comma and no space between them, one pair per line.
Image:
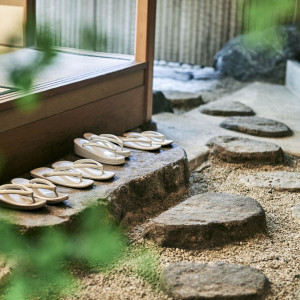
160,103
145,180
226,108
243,62
257,126
281,181
213,281
238,149
207,220
296,212
183,100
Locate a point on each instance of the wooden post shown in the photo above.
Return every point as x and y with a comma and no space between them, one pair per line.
144,47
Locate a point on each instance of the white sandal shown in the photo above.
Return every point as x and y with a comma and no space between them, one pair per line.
99,152
155,137
64,176
42,189
17,196
89,168
109,140
140,143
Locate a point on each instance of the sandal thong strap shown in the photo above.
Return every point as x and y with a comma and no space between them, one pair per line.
140,139
41,183
107,141
112,138
153,134
88,163
16,189
64,171
102,145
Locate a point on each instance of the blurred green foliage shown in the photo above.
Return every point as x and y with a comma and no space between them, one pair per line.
42,262
259,16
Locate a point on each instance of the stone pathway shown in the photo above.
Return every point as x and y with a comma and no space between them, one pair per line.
257,126
207,220
238,149
226,108
281,181
213,281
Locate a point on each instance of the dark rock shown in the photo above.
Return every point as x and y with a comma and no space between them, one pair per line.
206,74
142,183
173,73
281,181
160,103
226,108
207,220
267,59
257,126
213,281
238,149
183,100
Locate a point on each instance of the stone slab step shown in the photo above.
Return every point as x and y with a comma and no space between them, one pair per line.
192,130
237,149
145,180
207,220
296,212
293,77
186,280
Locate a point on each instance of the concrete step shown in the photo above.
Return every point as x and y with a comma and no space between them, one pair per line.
293,77
192,130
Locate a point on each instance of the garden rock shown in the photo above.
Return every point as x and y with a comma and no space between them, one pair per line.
183,100
266,60
160,103
226,108
257,126
207,220
213,281
281,181
237,149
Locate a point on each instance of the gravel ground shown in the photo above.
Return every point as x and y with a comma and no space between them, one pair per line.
276,254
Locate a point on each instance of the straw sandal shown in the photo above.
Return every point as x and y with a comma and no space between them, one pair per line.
89,168
155,137
109,140
20,197
99,152
140,143
65,176
42,189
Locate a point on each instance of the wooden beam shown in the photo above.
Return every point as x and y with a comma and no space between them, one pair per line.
144,47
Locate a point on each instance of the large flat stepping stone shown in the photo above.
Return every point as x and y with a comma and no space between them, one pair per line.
226,108
237,149
281,181
143,182
213,281
207,220
183,100
296,212
257,126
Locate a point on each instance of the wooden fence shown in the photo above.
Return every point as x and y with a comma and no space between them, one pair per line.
187,31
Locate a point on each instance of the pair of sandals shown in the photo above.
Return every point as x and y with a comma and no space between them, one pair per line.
32,194
109,149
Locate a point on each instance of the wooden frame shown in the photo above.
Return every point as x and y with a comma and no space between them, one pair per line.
110,100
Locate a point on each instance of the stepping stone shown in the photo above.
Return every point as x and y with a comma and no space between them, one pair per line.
207,220
226,108
213,281
238,149
281,181
257,126
183,100
5,272
296,212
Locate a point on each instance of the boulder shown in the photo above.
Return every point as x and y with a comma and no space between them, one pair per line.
266,59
